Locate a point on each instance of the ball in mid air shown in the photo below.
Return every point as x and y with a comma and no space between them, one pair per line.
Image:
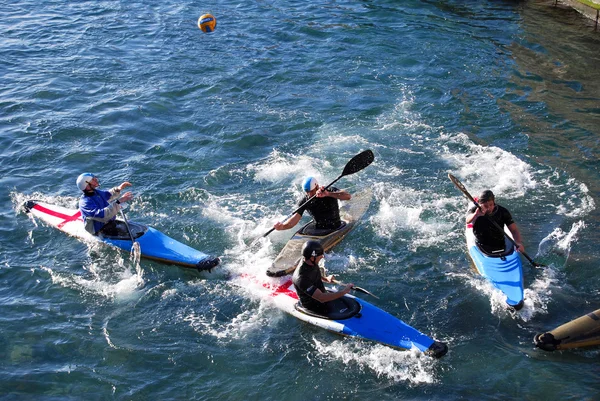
207,23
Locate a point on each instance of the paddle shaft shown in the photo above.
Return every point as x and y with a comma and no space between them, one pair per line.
355,288
128,228
462,188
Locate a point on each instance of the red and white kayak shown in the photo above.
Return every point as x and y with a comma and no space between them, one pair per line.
351,316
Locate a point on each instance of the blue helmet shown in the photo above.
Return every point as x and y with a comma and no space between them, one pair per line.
84,179
309,184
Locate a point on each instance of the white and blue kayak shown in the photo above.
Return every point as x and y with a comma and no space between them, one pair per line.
504,270
154,244
349,316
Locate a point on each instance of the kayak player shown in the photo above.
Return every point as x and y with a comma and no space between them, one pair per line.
324,208
309,283
487,236
99,208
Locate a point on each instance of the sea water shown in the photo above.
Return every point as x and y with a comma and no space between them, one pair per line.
216,132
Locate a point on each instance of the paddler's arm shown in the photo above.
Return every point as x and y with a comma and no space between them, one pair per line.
289,223
330,296
471,217
516,234
340,195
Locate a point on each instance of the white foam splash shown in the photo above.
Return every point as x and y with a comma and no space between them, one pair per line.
126,288
539,294
504,173
405,209
401,366
282,167
558,244
243,324
18,199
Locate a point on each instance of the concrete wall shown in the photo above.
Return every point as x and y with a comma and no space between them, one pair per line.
589,8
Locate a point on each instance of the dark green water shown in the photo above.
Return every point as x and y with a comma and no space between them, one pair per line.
216,132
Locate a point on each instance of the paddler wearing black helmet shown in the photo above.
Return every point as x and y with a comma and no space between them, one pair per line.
309,283
487,235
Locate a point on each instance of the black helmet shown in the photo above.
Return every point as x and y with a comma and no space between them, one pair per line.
486,196
312,249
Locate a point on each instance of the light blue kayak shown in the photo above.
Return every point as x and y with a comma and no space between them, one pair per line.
504,271
153,244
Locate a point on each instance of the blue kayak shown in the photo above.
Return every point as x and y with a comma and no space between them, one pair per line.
154,244
350,316
503,270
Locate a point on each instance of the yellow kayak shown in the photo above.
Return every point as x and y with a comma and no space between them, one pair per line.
581,332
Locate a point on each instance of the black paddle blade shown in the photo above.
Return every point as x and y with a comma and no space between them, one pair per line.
358,162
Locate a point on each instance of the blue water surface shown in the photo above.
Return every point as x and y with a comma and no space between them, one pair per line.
216,132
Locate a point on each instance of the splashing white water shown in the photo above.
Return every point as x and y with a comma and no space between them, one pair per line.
406,366
120,281
487,167
558,243
286,168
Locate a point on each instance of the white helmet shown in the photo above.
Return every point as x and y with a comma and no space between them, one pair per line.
84,179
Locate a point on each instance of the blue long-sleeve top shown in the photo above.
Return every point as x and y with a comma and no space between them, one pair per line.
97,208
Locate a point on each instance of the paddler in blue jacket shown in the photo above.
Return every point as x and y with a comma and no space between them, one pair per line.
324,208
488,237
99,208
309,283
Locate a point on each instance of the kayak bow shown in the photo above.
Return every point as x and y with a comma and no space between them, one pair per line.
581,332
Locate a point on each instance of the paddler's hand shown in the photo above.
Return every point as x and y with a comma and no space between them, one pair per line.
124,185
520,247
279,226
347,288
322,192
473,216
126,197
328,279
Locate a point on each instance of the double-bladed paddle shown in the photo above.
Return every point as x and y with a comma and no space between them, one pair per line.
357,163
462,189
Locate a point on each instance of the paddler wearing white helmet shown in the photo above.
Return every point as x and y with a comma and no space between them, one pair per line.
98,207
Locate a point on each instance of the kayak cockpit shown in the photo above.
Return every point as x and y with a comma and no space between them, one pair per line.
509,248
121,233
312,230
338,309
